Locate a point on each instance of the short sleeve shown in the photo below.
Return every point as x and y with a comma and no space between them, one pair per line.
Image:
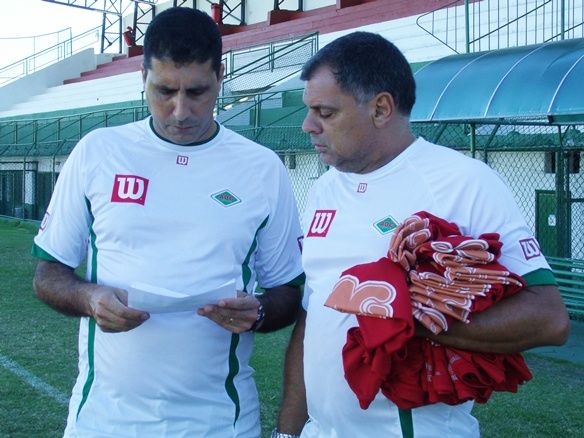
278,259
64,231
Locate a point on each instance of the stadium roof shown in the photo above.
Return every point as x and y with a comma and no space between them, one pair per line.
543,81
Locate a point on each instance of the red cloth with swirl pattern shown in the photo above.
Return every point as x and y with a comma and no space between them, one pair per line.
435,275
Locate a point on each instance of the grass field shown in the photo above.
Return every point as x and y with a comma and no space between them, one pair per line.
38,367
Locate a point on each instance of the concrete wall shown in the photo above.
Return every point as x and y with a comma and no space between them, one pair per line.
37,82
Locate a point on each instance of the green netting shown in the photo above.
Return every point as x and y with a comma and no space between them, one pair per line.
541,164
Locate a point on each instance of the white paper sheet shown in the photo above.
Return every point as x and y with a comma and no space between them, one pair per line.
154,299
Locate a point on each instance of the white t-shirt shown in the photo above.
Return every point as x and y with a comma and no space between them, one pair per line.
349,220
186,218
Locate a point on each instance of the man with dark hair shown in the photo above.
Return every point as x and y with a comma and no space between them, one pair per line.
174,202
172,38
359,93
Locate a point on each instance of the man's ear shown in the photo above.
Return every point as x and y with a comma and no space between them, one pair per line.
383,109
144,71
221,72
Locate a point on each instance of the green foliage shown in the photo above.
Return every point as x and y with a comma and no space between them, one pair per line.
44,343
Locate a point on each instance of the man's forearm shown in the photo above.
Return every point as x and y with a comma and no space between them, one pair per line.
281,305
293,412
533,317
58,286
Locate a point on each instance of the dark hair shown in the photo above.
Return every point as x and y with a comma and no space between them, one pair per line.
183,35
365,64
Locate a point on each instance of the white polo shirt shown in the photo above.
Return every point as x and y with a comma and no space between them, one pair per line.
186,218
349,220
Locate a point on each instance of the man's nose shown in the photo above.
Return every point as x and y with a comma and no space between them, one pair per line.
309,125
181,107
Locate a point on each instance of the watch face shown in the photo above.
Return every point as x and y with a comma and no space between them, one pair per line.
276,434
261,313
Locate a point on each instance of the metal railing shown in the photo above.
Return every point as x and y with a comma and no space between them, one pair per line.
540,164
12,48
48,56
258,111
467,26
45,137
260,67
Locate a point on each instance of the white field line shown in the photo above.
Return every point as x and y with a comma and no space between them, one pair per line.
33,380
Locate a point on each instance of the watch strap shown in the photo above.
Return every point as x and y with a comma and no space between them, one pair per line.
276,434
259,318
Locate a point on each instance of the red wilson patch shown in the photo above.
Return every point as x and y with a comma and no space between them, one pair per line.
530,248
321,222
130,188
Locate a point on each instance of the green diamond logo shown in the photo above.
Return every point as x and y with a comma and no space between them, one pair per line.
226,198
386,225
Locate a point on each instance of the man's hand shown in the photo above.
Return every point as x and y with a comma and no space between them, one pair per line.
58,286
234,314
109,309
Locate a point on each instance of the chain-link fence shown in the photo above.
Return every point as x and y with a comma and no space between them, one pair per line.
28,171
33,151
540,163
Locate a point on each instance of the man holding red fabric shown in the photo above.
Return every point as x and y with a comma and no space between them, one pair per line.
360,91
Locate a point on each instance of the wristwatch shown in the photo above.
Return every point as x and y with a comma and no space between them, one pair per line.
276,434
259,318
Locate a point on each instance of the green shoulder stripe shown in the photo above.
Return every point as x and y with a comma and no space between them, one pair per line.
298,281
540,277
40,253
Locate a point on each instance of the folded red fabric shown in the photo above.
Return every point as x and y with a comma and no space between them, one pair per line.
376,289
444,264
379,289
423,372
434,275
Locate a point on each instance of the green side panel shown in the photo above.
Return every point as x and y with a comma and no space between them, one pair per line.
233,370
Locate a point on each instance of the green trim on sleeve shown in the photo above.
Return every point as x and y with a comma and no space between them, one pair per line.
540,277
245,268
92,238
298,281
40,253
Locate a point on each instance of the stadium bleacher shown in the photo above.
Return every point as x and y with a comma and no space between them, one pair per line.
43,115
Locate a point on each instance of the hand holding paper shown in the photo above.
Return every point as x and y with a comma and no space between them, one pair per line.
234,314
155,299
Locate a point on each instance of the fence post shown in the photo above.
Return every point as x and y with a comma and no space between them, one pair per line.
561,198
258,108
466,27
562,18
53,178
473,140
19,211
567,212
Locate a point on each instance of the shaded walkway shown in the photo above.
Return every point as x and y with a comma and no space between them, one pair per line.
572,351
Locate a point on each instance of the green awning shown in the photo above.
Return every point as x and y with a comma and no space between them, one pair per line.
541,82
